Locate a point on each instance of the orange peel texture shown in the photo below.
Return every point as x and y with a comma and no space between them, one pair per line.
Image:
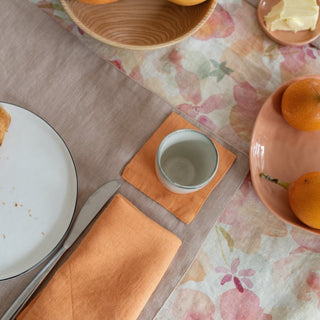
304,199
300,104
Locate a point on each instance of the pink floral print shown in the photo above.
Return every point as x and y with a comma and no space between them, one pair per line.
219,25
248,104
313,282
239,277
235,305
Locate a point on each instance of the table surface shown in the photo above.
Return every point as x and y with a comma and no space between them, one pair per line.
252,265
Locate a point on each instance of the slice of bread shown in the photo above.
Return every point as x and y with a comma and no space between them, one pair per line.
5,120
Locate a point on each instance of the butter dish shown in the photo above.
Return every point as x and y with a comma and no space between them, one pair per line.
280,22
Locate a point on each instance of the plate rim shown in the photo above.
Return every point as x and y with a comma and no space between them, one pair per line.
275,213
60,242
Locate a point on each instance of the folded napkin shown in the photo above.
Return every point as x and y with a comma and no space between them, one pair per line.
113,271
140,172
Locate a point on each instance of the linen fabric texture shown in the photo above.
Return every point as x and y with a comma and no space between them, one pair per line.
113,271
140,172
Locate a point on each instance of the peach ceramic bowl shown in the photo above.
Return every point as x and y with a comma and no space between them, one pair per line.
283,152
139,24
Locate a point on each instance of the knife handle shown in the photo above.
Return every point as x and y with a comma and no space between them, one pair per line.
21,300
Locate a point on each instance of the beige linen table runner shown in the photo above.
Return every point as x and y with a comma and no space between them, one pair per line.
104,118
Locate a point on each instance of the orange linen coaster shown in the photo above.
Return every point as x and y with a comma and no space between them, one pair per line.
113,271
140,172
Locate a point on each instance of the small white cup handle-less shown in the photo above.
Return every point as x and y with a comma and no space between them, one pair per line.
186,161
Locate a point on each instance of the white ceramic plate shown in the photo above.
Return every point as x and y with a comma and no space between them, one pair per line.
38,192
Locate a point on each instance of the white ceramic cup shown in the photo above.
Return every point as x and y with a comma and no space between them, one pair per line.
186,161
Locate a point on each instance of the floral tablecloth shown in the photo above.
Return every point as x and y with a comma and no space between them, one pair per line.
252,265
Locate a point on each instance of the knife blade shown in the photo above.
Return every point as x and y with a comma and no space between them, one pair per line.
90,209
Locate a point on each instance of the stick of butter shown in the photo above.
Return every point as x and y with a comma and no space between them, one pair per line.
293,15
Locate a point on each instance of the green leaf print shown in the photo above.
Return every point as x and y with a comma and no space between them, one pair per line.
204,70
220,70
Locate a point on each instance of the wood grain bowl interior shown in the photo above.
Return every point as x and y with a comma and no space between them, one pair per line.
138,24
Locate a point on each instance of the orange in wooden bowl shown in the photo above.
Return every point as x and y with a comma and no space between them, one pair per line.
300,104
187,2
97,1
139,24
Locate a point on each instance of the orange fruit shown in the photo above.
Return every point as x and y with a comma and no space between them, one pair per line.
304,197
187,2
97,1
300,104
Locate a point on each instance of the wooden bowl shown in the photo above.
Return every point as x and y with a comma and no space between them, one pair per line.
139,24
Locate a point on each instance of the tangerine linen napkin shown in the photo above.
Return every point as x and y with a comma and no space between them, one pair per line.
112,272
140,172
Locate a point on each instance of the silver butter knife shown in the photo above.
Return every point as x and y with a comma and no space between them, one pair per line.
90,209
